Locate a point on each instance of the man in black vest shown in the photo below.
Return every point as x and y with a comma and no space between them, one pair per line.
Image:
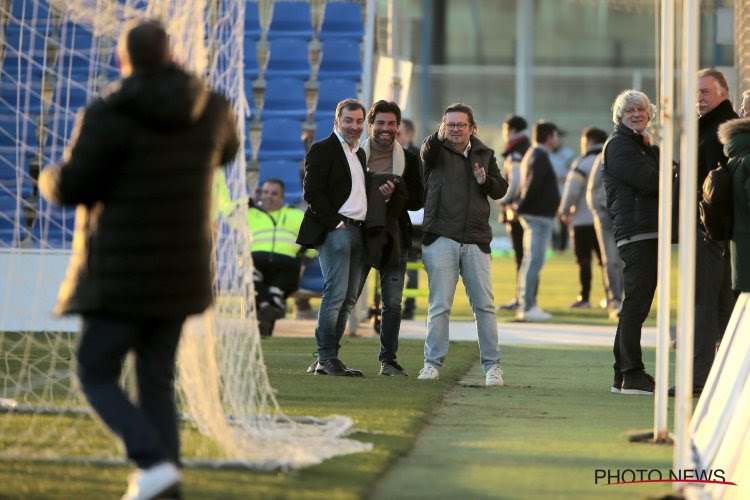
334,188
140,170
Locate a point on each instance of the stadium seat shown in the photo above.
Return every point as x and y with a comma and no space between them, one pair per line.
284,98
10,232
252,21
281,140
330,93
250,59
287,172
248,146
30,11
290,20
323,129
288,59
53,227
312,277
77,51
25,54
342,20
340,59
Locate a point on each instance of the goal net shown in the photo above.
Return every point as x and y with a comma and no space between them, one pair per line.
55,56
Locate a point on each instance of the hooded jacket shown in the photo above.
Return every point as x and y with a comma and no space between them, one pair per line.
735,135
140,168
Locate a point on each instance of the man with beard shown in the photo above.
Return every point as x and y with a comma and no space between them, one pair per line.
334,188
385,155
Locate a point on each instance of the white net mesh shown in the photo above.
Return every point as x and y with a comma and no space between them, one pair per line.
56,57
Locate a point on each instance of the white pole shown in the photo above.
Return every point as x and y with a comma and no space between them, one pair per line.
524,56
666,123
393,51
688,201
367,73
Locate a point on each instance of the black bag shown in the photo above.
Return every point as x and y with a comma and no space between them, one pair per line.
715,205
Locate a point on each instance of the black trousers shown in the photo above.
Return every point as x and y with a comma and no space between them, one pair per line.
584,243
714,302
515,232
279,271
639,279
149,427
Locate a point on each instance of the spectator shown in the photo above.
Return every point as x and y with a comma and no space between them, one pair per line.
334,188
611,262
574,210
735,135
745,106
516,145
631,179
405,136
537,207
460,173
276,255
561,157
385,155
142,257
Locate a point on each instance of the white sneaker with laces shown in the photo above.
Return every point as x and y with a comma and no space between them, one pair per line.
429,372
149,483
533,314
494,377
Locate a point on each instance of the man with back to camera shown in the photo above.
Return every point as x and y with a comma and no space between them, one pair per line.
460,173
385,155
334,188
140,168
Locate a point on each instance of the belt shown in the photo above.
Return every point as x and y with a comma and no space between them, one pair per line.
353,222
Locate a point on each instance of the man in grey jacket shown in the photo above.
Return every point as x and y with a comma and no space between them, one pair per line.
574,211
460,173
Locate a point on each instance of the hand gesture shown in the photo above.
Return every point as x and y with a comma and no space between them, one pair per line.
387,190
479,174
441,130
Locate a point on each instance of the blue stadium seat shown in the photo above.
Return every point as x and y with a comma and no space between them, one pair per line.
342,20
248,146
77,51
10,232
330,93
284,98
287,172
288,59
68,98
312,277
250,59
25,55
281,140
340,59
252,21
24,98
290,20
53,226
30,11
323,129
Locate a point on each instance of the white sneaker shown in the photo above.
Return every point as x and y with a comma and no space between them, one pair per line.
429,372
533,314
149,483
494,377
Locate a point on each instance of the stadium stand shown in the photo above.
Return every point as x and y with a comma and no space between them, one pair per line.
281,140
340,59
284,98
288,173
330,92
342,20
290,20
288,58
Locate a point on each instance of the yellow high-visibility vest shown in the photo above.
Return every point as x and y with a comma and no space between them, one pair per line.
275,232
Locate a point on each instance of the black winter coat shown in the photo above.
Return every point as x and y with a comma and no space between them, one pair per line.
140,168
630,172
710,149
538,190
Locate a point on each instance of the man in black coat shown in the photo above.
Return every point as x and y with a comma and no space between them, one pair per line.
140,169
714,299
334,188
385,155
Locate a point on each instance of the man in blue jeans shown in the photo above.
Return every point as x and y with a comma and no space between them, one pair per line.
385,155
334,188
460,173
537,206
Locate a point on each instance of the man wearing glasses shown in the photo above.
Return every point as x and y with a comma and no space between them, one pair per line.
460,173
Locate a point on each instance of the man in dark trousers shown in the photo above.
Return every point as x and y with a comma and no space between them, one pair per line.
714,299
140,168
385,155
334,188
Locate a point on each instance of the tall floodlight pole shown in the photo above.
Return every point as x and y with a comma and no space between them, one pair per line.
524,56
666,124
393,51
688,183
367,76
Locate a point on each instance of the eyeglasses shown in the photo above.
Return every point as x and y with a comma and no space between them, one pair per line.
457,126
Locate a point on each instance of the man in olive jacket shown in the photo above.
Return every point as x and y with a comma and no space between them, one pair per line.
460,173
140,168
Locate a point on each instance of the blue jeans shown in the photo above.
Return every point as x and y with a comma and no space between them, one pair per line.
149,427
391,292
536,234
444,260
341,260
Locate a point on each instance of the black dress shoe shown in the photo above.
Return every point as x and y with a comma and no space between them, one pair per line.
696,391
336,368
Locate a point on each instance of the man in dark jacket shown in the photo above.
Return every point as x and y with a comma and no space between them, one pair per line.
140,169
385,155
334,189
714,299
630,172
460,173
537,206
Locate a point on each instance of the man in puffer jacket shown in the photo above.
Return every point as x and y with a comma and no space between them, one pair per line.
140,167
460,173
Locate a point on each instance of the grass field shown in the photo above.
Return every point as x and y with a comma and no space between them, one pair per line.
541,435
